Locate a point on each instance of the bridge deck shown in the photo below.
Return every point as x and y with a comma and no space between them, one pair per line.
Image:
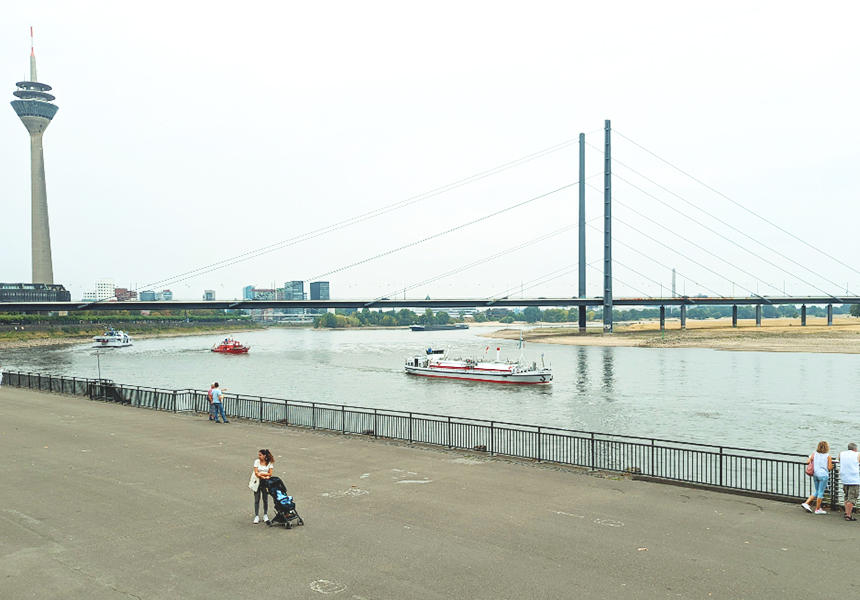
102,501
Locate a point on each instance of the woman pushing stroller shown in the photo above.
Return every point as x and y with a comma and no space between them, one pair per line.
263,470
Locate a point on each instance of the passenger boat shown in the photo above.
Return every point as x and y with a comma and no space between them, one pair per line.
436,363
230,346
111,339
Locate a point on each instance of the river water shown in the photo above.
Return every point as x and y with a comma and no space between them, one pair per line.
764,400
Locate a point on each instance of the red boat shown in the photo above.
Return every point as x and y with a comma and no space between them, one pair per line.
230,346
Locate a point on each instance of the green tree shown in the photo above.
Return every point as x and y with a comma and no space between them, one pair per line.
532,314
480,317
855,310
326,320
507,319
442,318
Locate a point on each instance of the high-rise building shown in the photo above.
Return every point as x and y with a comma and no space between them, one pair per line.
248,292
209,295
294,290
35,109
319,290
33,292
148,296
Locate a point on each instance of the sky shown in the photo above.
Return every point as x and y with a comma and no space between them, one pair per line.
189,134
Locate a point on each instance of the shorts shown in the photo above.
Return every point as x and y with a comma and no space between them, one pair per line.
851,493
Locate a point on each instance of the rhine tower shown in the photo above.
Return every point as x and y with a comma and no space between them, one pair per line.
34,107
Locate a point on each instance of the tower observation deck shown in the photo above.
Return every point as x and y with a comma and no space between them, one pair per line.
34,107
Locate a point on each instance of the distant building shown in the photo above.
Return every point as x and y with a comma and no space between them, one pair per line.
248,292
264,294
209,295
104,289
124,295
165,295
294,290
148,296
34,292
319,291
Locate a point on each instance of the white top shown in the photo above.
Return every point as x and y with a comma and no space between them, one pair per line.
261,468
216,395
820,463
849,467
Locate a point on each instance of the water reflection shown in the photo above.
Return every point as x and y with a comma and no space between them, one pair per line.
583,380
609,373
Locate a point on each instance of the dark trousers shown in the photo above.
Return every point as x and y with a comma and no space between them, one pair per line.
261,491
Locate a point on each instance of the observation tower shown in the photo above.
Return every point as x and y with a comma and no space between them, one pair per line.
34,107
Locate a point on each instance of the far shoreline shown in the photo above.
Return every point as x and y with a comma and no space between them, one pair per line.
775,335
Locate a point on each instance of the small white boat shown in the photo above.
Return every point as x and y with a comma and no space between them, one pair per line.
435,363
112,339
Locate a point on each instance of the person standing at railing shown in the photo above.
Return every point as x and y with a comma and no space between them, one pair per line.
217,406
822,464
211,406
849,473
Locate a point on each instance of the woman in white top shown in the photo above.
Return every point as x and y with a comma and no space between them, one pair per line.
822,465
263,468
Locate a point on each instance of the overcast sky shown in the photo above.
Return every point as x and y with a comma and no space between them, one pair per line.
189,133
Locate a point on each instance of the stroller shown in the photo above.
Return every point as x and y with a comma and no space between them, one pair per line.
284,505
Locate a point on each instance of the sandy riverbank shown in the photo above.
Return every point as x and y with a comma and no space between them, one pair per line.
775,335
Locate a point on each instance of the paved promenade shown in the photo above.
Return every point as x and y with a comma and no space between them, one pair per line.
101,501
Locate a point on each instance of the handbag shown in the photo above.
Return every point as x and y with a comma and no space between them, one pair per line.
810,468
254,484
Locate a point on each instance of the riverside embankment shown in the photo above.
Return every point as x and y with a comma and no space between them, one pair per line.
105,501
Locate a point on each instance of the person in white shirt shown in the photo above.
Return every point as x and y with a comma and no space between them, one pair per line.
217,406
849,473
263,469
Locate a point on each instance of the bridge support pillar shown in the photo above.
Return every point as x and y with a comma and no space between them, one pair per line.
829,314
734,315
581,319
803,315
662,318
683,316
758,315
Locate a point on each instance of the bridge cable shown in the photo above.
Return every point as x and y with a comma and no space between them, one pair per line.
698,222
486,259
749,210
665,266
444,232
361,217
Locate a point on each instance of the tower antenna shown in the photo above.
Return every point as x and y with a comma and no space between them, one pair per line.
32,57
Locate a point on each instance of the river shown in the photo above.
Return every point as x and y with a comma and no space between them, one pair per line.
766,400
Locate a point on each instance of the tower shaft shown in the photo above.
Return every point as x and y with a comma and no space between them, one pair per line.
43,268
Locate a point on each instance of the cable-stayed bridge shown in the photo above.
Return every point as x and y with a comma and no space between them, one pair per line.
825,290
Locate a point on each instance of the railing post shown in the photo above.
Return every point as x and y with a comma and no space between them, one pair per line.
492,437
539,445
342,419
313,416
174,400
410,428
721,466
652,473
450,441
375,424
286,413
591,452
261,408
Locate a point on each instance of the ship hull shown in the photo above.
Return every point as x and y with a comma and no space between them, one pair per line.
527,378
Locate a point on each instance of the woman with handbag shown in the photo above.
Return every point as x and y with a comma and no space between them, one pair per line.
821,463
263,469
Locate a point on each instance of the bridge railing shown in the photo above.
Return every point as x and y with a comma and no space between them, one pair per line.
776,474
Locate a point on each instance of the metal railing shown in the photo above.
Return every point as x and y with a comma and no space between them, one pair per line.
777,474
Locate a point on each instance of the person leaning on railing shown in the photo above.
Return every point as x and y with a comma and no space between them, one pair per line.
822,464
849,473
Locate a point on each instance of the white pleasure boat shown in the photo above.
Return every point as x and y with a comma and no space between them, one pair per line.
112,339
